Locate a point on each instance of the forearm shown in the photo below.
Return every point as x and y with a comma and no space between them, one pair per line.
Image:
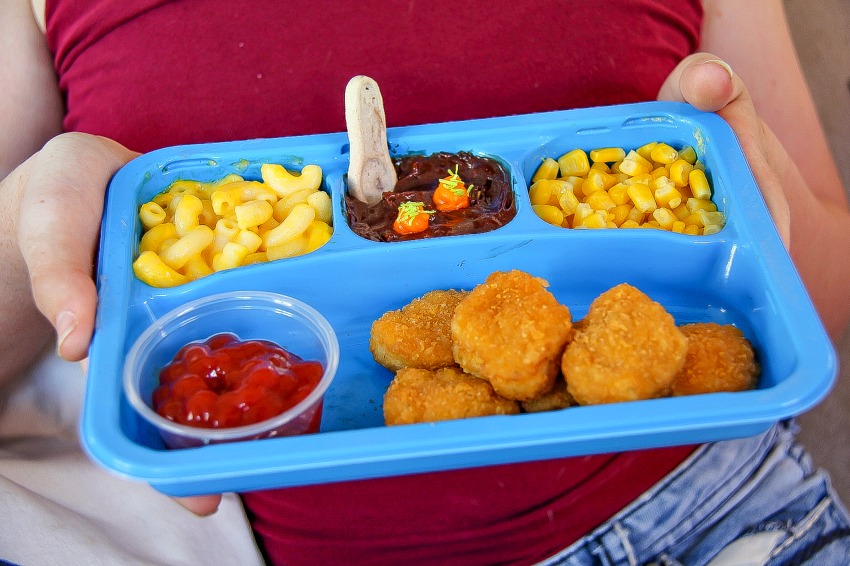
820,230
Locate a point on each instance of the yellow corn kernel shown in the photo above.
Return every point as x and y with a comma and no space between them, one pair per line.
629,224
619,193
664,217
711,229
620,213
607,154
636,215
681,211
560,186
688,154
548,170
583,210
695,204
567,200
548,213
574,163
699,184
645,150
634,164
660,171
644,179
679,172
711,218
678,227
692,230
642,198
667,195
541,192
596,220
600,201
150,269
600,166
693,220
597,181
663,153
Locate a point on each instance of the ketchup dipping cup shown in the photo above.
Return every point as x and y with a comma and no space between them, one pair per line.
250,315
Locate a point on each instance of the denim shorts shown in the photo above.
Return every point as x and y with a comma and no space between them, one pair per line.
751,501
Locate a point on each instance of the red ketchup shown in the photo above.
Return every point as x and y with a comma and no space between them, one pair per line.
226,382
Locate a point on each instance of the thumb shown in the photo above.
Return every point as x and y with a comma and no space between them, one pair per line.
704,81
201,505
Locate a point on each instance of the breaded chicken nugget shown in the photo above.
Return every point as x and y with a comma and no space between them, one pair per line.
719,358
511,331
419,395
557,398
629,348
418,334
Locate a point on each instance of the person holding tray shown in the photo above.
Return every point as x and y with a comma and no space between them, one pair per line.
87,85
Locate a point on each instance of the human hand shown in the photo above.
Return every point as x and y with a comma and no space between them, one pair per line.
61,194
709,84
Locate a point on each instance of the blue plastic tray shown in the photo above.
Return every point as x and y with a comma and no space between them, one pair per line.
741,275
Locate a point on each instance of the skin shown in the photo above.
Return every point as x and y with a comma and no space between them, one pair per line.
49,176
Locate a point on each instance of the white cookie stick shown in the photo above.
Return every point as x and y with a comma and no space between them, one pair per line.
370,170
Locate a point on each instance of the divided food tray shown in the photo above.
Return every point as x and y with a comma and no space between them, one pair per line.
741,275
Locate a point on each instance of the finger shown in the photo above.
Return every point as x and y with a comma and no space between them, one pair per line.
704,81
58,232
201,505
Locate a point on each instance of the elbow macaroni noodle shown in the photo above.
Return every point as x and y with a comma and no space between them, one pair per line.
194,229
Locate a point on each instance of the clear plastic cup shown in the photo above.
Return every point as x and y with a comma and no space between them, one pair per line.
251,315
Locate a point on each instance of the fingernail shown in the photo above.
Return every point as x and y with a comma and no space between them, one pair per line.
723,64
66,322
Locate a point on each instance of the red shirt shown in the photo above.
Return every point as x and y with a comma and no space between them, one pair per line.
151,73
